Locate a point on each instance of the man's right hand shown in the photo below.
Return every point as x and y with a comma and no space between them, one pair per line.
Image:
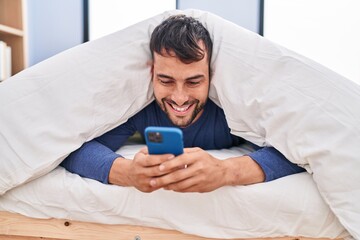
139,171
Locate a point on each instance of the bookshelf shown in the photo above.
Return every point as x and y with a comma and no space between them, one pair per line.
13,32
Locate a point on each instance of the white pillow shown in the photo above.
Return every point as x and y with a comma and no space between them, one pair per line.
270,95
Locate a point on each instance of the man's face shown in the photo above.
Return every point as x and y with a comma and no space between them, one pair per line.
180,89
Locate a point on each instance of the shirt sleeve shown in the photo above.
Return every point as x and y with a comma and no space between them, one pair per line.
95,158
92,160
274,164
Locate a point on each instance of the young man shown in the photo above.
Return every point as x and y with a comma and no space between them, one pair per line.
181,48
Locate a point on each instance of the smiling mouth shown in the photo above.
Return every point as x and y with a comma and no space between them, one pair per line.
180,110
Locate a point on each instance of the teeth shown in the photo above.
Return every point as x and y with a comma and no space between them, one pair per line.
183,109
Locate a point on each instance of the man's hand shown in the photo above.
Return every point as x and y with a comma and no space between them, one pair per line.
204,173
139,171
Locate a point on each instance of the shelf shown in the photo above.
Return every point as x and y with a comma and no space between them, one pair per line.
11,31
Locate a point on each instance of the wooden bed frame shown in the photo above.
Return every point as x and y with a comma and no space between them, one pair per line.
18,227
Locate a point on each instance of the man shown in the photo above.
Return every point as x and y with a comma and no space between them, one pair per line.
181,50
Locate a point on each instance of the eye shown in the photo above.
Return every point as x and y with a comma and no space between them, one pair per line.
165,82
193,83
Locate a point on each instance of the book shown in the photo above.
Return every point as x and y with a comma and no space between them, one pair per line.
8,61
5,61
2,60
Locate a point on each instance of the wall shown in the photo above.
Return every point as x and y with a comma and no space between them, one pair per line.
53,26
242,12
56,25
109,16
329,34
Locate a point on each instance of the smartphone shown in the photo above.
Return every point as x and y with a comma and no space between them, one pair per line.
163,140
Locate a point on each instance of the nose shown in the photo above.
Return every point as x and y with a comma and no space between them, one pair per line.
180,96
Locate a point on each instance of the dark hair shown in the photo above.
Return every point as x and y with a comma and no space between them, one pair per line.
181,34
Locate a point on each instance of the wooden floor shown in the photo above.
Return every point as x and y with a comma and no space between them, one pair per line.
18,227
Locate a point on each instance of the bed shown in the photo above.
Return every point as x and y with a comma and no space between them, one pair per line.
271,96
275,209
21,228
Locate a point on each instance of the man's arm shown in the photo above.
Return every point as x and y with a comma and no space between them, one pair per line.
96,161
92,160
274,164
264,165
95,158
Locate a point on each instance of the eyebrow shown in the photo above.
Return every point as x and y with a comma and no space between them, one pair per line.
187,79
195,77
165,76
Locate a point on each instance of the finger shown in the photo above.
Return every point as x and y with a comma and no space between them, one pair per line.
153,172
145,187
194,184
172,177
154,160
179,162
183,186
144,150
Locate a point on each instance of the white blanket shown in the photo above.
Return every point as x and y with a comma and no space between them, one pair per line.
290,206
270,95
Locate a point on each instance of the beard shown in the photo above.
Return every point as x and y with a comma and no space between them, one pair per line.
181,121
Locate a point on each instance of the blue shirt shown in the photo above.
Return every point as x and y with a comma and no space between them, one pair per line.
211,131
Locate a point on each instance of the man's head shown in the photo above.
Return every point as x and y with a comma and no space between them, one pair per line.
181,48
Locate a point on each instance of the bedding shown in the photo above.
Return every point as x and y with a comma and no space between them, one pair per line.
270,96
289,206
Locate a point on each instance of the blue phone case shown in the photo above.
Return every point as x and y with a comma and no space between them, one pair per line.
163,140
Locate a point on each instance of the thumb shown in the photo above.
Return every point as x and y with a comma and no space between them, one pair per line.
144,150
